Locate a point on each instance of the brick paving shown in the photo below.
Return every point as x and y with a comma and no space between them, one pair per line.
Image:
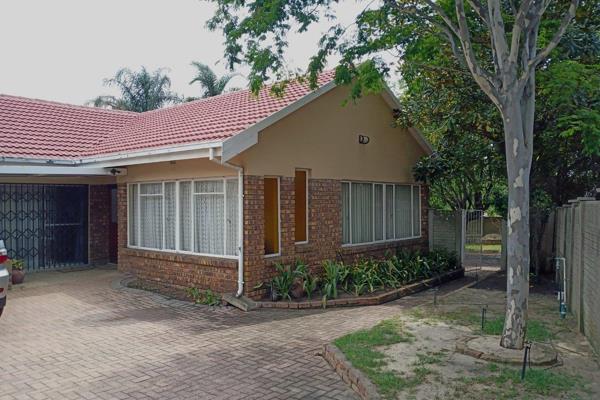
77,335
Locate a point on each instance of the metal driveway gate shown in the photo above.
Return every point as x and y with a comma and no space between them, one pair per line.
46,226
472,229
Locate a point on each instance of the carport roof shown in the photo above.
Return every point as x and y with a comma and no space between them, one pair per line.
45,130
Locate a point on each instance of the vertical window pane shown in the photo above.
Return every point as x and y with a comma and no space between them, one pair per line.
271,215
185,216
209,217
151,221
132,215
345,213
300,182
170,209
231,217
378,234
389,211
416,211
403,211
362,212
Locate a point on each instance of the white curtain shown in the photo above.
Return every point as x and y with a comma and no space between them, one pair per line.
403,211
170,217
389,211
151,215
133,206
231,217
209,217
362,212
345,213
416,210
378,234
185,216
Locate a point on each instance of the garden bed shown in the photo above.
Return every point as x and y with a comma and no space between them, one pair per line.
378,297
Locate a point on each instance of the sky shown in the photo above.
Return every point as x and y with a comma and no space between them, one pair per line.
62,50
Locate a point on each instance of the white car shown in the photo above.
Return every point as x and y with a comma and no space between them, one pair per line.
3,276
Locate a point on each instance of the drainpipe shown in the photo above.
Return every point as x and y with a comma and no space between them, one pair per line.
240,170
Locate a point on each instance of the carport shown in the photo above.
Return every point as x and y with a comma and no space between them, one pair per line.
58,217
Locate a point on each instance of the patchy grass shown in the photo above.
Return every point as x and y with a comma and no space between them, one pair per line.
506,383
361,350
537,330
487,248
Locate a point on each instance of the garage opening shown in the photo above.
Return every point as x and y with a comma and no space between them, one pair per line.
46,226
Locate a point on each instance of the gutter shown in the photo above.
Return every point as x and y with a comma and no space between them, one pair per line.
240,170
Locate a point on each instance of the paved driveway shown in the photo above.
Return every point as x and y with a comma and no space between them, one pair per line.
78,336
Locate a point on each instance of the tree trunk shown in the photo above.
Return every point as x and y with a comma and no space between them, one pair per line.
518,161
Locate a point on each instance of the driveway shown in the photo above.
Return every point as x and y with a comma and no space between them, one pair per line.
79,335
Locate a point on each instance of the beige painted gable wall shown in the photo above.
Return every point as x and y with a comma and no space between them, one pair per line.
323,136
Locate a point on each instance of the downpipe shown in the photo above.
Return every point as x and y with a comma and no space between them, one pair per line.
240,170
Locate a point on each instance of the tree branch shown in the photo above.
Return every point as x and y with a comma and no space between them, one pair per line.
498,33
481,76
567,18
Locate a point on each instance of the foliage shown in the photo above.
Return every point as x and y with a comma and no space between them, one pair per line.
18,264
207,297
140,91
208,80
364,276
309,281
281,284
335,274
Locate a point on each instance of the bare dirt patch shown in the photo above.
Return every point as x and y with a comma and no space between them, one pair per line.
428,366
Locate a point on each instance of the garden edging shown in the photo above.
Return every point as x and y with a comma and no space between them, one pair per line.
385,297
352,376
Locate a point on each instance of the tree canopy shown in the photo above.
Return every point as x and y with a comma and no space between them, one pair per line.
500,43
140,91
211,84
450,109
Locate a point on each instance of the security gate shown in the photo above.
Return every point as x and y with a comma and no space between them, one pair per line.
45,225
472,239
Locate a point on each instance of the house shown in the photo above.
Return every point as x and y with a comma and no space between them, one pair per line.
213,192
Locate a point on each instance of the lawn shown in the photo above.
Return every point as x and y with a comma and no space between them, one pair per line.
487,247
413,356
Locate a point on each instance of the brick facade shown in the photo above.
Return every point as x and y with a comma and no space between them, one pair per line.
220,274
325,230
181,270
99,224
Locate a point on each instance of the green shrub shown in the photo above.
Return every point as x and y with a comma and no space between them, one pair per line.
207,297
309,281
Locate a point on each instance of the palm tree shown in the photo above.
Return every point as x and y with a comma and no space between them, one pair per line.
140,91
209,81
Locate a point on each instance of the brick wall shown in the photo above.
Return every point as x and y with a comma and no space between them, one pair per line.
99,224
325,230
218,274
324,241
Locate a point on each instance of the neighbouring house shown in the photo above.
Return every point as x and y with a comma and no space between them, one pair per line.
213,192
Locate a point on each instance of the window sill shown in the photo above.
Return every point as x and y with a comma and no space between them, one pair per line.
167,253
380,242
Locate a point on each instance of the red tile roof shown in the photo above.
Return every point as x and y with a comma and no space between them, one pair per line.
42,129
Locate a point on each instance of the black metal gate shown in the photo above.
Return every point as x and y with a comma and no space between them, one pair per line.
45,225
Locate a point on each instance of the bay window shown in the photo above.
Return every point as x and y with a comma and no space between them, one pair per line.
188,216
377,212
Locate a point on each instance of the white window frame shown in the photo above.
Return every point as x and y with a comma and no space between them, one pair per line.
278,254
385,205
306,171
177,216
